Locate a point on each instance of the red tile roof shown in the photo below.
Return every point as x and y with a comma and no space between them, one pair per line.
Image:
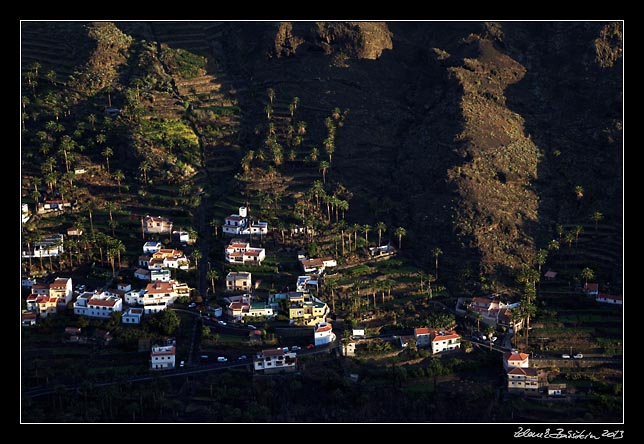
516,356
102,302
523,371
422,331
591,287
324,328
608,296
447,335
159,287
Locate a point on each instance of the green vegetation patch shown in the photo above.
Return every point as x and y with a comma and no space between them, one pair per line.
169,132
183,63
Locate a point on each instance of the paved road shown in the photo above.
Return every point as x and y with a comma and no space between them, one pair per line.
196,370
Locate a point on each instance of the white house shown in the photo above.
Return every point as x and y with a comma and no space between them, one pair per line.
257,309
97,305
512,359
25,213
240,252
357,333
151,247
323,334
162,357
235,223
257,227
142,274
609,299
156,225
62,289
238,281
317,265
157,295
132,316
305,284
422,336
445,340
50,246
162,275
181,236
274,361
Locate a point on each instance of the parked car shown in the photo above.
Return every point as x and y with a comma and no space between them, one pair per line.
310,346
221,359
203,358
296,348
493,338
182,364
565,356
285,349
578,356
192,305
221,323
242,357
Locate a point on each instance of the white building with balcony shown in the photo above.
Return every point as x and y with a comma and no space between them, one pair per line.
97,305
162,357
275,361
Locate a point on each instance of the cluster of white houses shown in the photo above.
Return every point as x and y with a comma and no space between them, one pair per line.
240,224
45,300
49,246
496,313
437,340
592,289
239,252
156,262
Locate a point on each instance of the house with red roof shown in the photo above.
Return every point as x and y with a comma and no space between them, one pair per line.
591,288
162,357
522,380
42,304
444,340
515,359
422,336
275,361
609,299
97,305
156,225
240,252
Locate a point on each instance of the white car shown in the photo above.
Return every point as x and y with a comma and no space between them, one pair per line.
221,323
222,359
565,356
192,305
578,356
296,348
242,357
182,364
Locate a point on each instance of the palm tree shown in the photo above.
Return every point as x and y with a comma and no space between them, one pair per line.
436,252
329,146
381,227
355,228
88,206
365,229
196,255
269,110
324,166
478,316
553,245
271,96
246,160
144,167
577,230
570,238
213,276
560,232
51,76
119,248
107,153
92,120
579,192
343,206
314,154
101,138
597,217
529,310
301,128
541,257
400,232
119,176
215,224
490,333
587,274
